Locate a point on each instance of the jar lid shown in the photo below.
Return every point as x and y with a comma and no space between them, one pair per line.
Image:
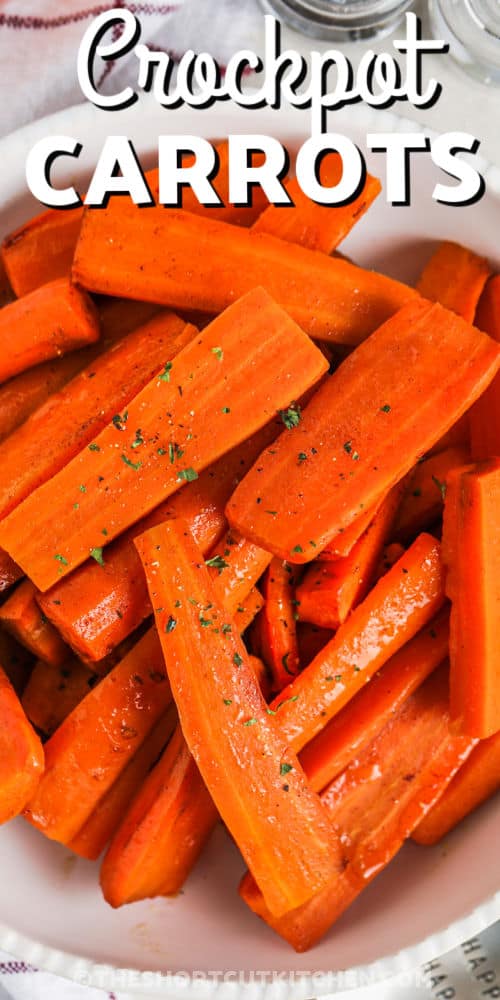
472,28
340,20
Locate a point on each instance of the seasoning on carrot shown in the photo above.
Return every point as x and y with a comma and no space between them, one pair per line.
455,277
53,692
277,624
22,617
484,417
245,613
235,565
21,754
424,498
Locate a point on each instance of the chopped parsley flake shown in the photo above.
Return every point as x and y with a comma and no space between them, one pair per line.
348,447
219,353
272,513
94,447
297,548
61,559
226,629
225,409
286,668
138,440
385,409
302,457
440,485
237,660
250,722
132,465
97,555
227,701
291,416
165,375
161,451
189,475
217,562
170,624
174,452
285,769
119,420
82,488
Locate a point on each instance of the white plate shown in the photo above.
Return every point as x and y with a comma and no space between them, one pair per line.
428,900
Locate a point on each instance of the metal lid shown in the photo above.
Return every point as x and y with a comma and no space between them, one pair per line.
339,20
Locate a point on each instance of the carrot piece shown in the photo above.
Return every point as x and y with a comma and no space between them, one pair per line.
181,433
349,732
389,555
98,739
329,591
52,692
343,544
484,416
455,277
471,552
15,661
206,265
475,782
21,754
317,227
311,641
458,436
375,804
41,250
399,605
364,430
235,565
54,319
102,824
224,721
278,633
22,617
245,613
424,498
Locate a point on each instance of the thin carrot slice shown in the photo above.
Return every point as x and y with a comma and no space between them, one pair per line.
342,545
21,754
205,265
330,590
245,613
389,555
51,321
53,692
278,633
370,710
476,781
96,741
455,277
471,552
224,721
205,403
400,604
484,416
235,565
315,226
424,498
22,617
364,430
41,250
375,804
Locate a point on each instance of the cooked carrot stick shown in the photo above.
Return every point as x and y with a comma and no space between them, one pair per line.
278,633
364,430
224,721
95,742
51,321
399,605
205,265
204,403
484,416
245,613
471,553
15,661
53,692
311,640
475,782
458,436
235,565
341,545
330,590
315,226
22,617
91,840
367,713
376,804
41,250
21,754
455,277
389,555
424,497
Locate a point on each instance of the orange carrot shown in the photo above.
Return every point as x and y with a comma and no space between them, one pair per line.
375,804
98,739
311,641
399,605
235,565
389,555
471,553
51,321
424,498
330,590
91,840
53,692
484,416
315,226
41,250
15,661
245,613
455,277
224,721
475,782
278,633
341,545
220,402
6,291
22,617
205,265
21,754
370,710
363,430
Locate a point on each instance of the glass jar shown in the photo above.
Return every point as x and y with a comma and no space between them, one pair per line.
339,20
472,28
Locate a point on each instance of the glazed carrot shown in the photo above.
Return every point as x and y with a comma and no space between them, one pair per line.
458,436
330,590
399,605
101,826
41,250
220,403
235,565
311,640
245,613
99,737
51,321
315,226
277,624
455,277
367,713
22,617
475,782
424,497
205,265
21,754
471,552
484,416
364,429
376,804
341,545
389,555
224,721
52,692
15,661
